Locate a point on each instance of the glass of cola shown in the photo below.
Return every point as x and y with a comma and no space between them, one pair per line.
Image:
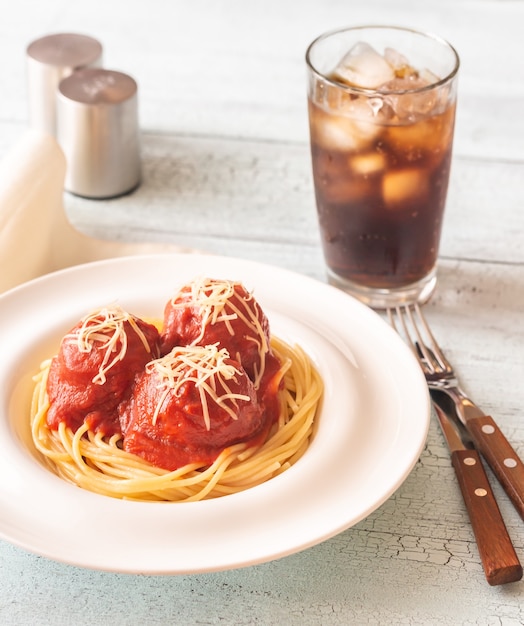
381,104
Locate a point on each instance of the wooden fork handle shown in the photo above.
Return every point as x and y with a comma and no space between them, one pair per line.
501,457
499,560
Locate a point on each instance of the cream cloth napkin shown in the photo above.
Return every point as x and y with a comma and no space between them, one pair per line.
35,235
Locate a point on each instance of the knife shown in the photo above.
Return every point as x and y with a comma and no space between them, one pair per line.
491,443
499,559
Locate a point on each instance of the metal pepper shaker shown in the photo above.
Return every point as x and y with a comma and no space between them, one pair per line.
49,60
98,130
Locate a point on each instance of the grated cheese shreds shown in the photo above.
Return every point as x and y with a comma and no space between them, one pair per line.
105,327
206,367
215,301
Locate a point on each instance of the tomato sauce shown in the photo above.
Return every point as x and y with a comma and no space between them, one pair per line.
167,421
245,333
166,427
73,395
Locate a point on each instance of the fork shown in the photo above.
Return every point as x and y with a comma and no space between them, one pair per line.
409,321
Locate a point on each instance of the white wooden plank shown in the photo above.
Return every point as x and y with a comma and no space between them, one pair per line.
263,191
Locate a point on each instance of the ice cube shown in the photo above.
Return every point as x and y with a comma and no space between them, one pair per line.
420,140
402,188
353,130
412,101
399,63
428,77
364,67
368,164
337,133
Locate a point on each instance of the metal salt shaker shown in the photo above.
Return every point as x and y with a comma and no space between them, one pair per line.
98,130
49,60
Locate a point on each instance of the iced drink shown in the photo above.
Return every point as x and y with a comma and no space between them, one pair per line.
381,125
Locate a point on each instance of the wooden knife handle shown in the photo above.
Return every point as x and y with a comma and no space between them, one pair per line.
499,559
501,457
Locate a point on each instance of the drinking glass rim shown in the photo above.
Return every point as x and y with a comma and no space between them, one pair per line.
368,91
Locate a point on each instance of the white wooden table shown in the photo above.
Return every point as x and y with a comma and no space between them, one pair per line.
226,170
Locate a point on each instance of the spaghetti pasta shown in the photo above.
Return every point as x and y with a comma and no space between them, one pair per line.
98,463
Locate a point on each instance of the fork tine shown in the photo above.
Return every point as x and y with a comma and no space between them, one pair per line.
400,313
433,344
410,330
412,312
416,332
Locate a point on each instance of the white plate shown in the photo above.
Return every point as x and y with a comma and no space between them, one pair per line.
371,430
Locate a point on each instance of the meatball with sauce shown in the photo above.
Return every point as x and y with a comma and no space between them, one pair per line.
219,312
95,369
189,405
